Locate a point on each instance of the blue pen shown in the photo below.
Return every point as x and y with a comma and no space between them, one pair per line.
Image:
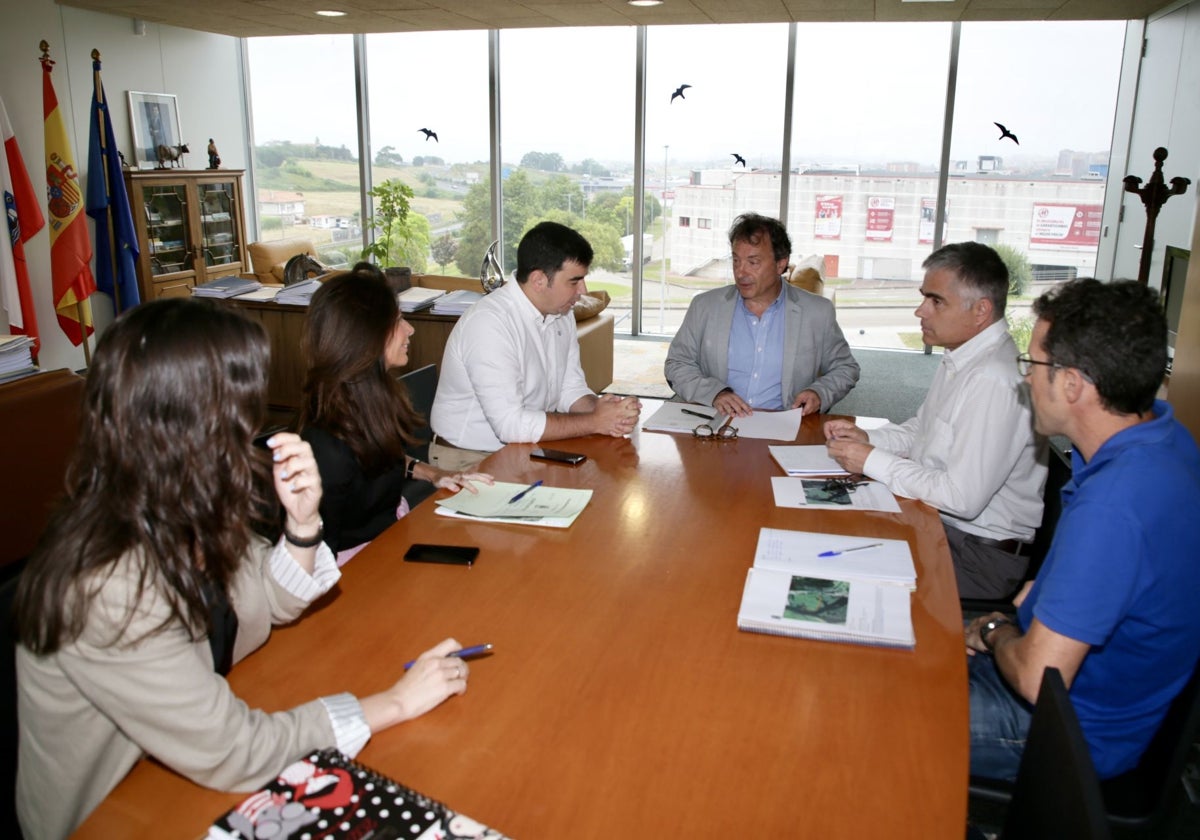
465,653
521,495
844,550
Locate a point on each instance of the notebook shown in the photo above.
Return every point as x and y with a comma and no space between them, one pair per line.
859,594
330,795
226,287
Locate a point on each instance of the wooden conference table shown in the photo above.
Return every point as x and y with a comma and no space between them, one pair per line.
622,701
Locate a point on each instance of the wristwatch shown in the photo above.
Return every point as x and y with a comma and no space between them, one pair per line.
985,631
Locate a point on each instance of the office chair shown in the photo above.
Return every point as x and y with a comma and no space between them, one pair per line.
1057,475
1140,802
422,387
1056,794
8,713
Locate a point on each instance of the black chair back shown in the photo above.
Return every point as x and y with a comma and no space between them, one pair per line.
1057,794
1142,800
422,388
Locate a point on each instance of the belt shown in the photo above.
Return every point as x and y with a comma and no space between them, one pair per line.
1020,549
441,441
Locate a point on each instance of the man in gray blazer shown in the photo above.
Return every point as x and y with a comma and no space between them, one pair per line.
760,343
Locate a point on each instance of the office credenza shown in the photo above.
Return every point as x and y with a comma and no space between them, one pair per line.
622,701
285,328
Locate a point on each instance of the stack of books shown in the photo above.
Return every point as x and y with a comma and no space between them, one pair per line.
16,357
456,303
226,287
417,297
300,293
831,588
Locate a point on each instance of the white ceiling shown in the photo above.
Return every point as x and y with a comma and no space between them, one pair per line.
247,18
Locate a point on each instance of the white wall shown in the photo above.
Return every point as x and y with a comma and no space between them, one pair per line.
1166,113
202,70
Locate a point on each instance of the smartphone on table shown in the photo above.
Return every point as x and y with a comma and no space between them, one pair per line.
557,456
453,555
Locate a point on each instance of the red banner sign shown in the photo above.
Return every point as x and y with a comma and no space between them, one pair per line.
881,218
1074,227
829,217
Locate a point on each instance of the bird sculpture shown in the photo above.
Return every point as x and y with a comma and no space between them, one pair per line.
1004,132
738,159
679,92
429,134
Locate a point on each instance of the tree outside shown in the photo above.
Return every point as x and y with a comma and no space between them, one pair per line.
445,249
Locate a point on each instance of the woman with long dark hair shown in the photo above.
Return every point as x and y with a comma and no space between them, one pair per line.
152,579
356,414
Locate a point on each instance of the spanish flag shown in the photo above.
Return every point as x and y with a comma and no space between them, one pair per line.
70,246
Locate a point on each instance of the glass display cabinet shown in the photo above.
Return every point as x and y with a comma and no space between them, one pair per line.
191,228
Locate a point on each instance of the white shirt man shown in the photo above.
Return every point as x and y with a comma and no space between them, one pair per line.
971,450
511,371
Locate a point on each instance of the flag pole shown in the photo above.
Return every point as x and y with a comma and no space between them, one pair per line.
68,174
83,309
112,239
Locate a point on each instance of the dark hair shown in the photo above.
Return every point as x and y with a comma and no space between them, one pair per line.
547,246
1115,334
750,227
349,391
978,267
165,470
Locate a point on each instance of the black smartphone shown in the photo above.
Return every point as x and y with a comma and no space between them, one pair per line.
558,456
454,555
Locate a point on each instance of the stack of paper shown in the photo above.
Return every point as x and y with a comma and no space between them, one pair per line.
299,294
805,460
264,294
455,303
517,504
830,587
763,425
226,287
417,297
682,417
16,356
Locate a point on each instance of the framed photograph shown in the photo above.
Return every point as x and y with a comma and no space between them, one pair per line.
154,120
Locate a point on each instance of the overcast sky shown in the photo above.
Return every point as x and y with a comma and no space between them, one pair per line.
864,92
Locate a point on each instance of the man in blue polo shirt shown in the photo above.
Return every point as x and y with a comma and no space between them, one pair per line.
1114,605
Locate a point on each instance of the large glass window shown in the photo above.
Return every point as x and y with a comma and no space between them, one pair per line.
567,141
866,144
429,142
1038,195
713,149
306,137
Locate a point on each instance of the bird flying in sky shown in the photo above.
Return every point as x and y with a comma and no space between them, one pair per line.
738,159
679,92
1004,132
429,134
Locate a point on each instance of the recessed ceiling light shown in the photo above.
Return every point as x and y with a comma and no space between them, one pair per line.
330,13
644,2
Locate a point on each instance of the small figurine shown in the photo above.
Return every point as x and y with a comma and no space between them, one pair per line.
214,160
